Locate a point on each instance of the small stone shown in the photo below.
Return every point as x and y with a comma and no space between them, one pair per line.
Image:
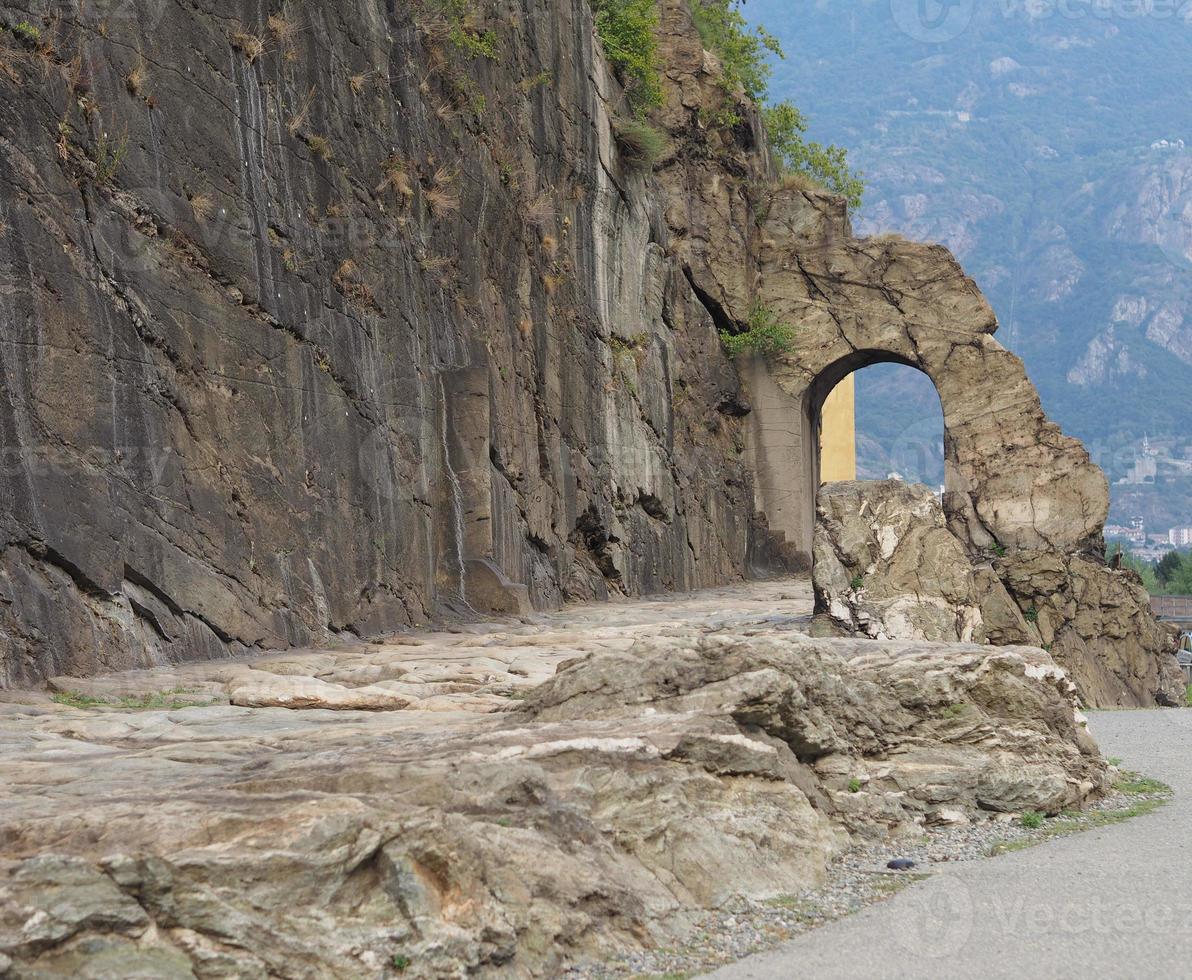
900,864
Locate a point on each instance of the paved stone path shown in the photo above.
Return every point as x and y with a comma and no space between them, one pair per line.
1112,902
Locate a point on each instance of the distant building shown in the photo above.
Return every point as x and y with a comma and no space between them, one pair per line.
1180,537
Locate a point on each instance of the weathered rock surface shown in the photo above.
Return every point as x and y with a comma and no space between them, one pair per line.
722,753
362,324
886,566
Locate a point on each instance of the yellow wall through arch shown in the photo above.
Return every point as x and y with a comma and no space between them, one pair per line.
838,434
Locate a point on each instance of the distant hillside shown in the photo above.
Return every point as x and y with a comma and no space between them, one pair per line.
1047,154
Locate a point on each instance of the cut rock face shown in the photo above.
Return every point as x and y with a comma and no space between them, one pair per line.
888,567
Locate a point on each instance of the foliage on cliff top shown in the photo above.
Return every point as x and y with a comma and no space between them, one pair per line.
744,53
626,30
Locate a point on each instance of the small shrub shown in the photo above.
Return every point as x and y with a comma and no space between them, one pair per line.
854,785
857,583
641,144
109,155
1032,819
27,33
475,44
764,334
400,962
1031,615
135,81
998,549
626,31
743,52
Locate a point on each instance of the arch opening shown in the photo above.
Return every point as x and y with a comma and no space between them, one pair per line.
883,421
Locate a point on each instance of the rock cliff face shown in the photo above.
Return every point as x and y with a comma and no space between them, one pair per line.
319,323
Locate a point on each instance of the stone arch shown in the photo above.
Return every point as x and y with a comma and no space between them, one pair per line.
1013,479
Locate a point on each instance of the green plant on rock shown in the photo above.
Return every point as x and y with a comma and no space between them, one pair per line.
1032,819
626,31
854,785
109,155
641,144
26,32
857,582
743,52
1031,615
827,165
764,333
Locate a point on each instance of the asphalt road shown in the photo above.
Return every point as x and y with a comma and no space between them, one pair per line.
1112,902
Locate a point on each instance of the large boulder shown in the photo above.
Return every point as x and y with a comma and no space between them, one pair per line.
886,565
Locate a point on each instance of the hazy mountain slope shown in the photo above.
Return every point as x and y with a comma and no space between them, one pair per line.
1032,148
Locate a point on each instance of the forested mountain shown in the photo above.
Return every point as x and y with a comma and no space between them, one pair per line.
1052,152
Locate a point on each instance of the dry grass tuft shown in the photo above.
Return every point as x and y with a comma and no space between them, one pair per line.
135,80
540,210
397,176
284,30
320,146
794,180
525,326
249,45
356,83
202,206
552,283
298,119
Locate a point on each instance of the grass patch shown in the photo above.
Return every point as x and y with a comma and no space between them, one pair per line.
1032,819
1151,794
854,785
641,144
1188,696
155,701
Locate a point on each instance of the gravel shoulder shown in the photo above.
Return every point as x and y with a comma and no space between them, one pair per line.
1113,901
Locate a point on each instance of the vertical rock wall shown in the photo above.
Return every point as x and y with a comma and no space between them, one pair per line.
316,324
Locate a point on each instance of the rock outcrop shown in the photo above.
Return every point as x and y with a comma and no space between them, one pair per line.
887,567
615,801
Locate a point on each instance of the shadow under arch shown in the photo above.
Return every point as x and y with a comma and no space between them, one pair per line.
784,443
